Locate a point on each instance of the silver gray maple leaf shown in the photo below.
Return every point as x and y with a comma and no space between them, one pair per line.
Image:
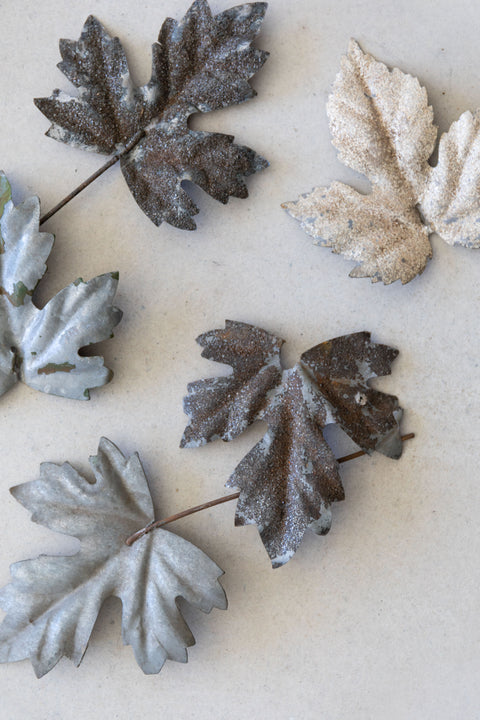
40,346
200,64
52,602
382,126
289,480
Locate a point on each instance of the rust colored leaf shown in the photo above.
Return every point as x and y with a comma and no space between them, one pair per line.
341,369
223,407
202,63
289,480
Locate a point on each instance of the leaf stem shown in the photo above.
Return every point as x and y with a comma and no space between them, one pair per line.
158,523
218,501
113,160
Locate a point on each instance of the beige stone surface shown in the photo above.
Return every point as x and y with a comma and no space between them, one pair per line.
377,620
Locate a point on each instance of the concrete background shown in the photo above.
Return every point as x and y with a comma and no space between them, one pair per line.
380,618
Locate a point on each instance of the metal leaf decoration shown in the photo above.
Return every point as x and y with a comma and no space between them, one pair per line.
382,126
224,407
290,478
40,346
200,64
52,602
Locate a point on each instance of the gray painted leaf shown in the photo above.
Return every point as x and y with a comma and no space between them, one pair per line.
382,126
201,63
52,602
341,369
290,478
40,346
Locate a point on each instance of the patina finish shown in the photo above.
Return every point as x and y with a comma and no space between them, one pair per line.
289,480
200,64
40,347
52,603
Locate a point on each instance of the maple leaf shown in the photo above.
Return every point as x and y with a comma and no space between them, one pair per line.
201,63
225,406
382,126
289,480
52,602
40,346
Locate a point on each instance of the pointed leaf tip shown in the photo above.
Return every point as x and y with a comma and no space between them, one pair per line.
354,48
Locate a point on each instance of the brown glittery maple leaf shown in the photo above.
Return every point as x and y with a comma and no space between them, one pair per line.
201,63
290,478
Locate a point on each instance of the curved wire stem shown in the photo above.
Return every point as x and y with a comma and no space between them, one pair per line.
113,160
218,501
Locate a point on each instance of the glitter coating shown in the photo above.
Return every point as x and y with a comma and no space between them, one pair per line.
382,126
199,64
289,480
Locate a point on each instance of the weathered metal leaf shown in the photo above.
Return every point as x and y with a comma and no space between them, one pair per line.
223,407
388,243
52,602
451,201
290,478
341,369
77,316
200,64
40,347
382,126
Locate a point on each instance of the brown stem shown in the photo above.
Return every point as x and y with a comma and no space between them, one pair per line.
158,523
218,501
113,160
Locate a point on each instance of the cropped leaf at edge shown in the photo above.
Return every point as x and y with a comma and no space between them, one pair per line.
382,126
40,346
199,64
341,369
52,603
290,478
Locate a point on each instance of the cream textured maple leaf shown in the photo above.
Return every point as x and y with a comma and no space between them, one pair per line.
382,126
